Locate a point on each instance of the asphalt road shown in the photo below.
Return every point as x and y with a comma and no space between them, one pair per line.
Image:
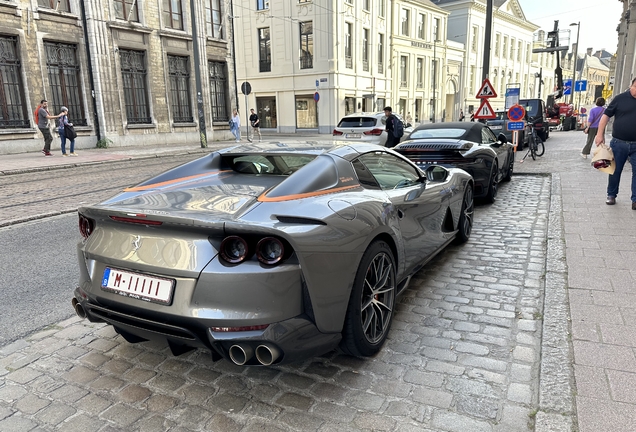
38,262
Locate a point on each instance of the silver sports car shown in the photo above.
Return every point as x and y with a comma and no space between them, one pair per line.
268,253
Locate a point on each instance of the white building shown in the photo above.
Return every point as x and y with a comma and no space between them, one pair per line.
511,46
352,56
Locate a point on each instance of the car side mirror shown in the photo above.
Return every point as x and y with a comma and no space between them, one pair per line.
502,138
436,173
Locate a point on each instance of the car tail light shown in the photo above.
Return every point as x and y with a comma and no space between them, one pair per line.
374,132
337,133
136,221
270,250
538,125
86,226
234,249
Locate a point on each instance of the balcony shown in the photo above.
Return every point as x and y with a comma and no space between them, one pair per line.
265,66
349,62
306,62
365,65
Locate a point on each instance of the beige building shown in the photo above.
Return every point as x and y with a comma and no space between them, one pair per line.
626,51
126,70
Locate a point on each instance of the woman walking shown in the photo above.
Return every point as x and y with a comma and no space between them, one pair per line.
592,126
236,125
62,128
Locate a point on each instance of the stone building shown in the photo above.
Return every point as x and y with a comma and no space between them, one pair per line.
126,70
626,50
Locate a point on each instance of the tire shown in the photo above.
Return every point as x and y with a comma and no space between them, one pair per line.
533,147
540,148
491,197
372,302
511,167
465,223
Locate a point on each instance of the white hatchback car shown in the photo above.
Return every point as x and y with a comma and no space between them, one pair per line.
367,127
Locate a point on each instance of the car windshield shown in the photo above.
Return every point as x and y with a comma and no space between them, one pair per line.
501,115
438,133
531,106
348,122
279,164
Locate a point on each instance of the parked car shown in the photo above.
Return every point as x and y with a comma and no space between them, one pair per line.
366,127
500,125
537,113
271,253
472,146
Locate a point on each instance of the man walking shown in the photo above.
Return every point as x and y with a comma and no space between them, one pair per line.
43,118
623,143
389,127
255,122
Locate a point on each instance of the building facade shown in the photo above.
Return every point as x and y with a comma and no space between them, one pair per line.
626,50
125,69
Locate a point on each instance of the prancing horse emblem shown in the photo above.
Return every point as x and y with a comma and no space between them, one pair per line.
136,243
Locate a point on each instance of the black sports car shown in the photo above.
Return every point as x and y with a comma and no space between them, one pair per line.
470,146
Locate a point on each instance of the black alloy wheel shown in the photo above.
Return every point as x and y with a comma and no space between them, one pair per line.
372,302
465,223
492,183
511,167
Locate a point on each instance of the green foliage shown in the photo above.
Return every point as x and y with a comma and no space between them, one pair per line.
104,143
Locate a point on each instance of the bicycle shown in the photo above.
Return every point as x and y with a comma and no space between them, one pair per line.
536,147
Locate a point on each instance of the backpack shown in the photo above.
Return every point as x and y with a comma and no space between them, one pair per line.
36,114
398,128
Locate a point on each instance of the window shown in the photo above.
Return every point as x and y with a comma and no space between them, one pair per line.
172,15
214,19
350,105
473,43
403,71
519,51
381,7
349,46
262,4
497,44
380,53
126,10
179,76
472,80
218,91
512,49
366,5
528,53
65,80
505,47
405,22
61,5
436,29
389,171
434,74
487,137
134,75
264,50
365,50
421,26
13,114
306,45
420,71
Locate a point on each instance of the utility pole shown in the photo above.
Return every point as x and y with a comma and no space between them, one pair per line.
487,36
203,139
434,78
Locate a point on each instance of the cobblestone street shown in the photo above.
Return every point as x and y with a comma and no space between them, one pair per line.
463,355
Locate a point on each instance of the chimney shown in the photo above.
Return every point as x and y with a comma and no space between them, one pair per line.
589,51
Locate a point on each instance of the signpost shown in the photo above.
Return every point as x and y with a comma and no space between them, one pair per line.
567,87
512,96
516,114
580,86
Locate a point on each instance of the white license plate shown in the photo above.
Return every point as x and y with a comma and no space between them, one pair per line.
353,136
495,127
135,285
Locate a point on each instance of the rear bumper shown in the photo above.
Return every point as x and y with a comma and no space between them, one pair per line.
295,338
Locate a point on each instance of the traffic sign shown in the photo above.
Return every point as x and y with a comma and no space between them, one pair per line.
516,112
567,87
580,86
486,90
316,97
512,96
246,88
583,110
485,111
516,125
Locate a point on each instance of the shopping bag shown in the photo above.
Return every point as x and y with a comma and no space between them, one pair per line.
603,159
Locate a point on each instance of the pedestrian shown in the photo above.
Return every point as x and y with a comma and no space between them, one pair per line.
472,116
235,127
623,143
592,126
255,122
409,118
65,132
461,115
389,127
42,117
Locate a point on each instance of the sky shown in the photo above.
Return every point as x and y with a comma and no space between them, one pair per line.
598,18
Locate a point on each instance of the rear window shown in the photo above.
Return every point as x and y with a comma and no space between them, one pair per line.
501,115
438,133
348,122
279,164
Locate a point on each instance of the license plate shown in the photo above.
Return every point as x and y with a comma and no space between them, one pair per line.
138,286
495,127
353,136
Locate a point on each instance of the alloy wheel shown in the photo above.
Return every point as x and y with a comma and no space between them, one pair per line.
378,296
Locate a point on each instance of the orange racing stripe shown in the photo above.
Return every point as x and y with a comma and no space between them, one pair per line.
173,181
264,198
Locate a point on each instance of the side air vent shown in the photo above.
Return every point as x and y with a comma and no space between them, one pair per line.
299,220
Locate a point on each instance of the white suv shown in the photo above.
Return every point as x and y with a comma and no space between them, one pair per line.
367,127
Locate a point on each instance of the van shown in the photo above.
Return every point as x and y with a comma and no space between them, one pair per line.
536,112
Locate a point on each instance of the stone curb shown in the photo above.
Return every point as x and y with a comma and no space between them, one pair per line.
36,217
556,378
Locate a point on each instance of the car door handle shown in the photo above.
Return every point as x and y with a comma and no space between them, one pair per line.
400,214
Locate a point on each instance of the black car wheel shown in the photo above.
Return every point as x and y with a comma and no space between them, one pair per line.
511,167
372,301
465,224
491,197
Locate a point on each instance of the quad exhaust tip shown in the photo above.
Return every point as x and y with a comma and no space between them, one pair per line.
241,354
266,355
79,309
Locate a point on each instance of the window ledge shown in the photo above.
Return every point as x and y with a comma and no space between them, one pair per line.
217,40
141,126
83,128
48,11
184,124
179,34
17,131
9,3
126,25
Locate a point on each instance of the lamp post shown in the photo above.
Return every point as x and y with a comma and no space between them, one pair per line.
434,76
576,58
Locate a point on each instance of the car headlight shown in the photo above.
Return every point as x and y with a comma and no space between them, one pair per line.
234,249
270,250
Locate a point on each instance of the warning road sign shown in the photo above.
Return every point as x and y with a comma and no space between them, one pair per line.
486,90
485,111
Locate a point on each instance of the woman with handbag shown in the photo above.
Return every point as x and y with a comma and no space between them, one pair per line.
235,125
592,126
65,129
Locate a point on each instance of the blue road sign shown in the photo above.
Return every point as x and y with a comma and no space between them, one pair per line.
567,87
518,125
580,86
316,97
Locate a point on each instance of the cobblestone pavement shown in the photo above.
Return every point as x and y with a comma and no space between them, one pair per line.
463,355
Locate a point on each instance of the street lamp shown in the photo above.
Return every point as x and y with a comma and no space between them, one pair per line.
434,76
576,58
